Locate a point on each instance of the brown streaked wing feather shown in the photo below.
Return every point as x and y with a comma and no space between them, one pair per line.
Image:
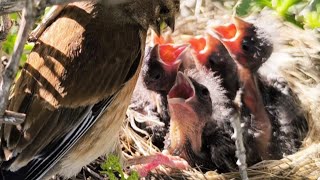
70,68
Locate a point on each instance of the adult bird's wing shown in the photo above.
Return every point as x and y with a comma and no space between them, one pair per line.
73,74
51,154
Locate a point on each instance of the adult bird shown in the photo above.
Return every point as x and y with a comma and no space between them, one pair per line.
76,86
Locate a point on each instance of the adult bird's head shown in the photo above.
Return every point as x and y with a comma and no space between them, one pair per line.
162,11
161,66
248,45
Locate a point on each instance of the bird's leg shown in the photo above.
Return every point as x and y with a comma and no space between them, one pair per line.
148,163
253,100
46,21
162,108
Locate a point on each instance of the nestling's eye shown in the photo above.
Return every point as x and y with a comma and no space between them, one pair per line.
164,10
205,92
248,44
245,46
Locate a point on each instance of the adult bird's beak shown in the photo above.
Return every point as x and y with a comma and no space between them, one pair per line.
161,22
170,21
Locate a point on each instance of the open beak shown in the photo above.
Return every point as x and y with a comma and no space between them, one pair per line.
170,54
231,35
163,39
182,91
204,47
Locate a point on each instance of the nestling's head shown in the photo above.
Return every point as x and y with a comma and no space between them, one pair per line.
248,45
161,66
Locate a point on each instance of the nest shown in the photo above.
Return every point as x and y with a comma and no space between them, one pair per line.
300,65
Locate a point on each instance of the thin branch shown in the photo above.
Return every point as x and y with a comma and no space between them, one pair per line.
5,25
241,151
11,6
11,117
27,21
47,19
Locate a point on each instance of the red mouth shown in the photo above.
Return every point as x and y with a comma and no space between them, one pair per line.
203,47
227,31
183,88
170,53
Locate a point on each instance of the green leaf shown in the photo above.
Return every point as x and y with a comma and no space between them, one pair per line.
8,45
243,7
134,176
312,19
112,166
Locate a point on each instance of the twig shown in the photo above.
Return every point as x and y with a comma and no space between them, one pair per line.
11,117
198,7
10,6
5,25
93,173
27,21
47,19
237,135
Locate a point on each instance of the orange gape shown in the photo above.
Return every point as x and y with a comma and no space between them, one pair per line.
161,39
228,31
198,43
166,39
203,47
169,53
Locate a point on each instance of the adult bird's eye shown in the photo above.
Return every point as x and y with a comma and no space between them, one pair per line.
164,10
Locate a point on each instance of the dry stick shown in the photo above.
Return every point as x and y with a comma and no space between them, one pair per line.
5,25
10,6
198,8
26,24
237,135
47,19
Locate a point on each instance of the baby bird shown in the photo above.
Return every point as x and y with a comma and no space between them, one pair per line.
158,75
212,54
200,127
250,48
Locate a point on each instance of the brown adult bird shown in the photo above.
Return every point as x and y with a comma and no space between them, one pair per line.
76,86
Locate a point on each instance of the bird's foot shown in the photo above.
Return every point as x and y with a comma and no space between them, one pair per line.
149,163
